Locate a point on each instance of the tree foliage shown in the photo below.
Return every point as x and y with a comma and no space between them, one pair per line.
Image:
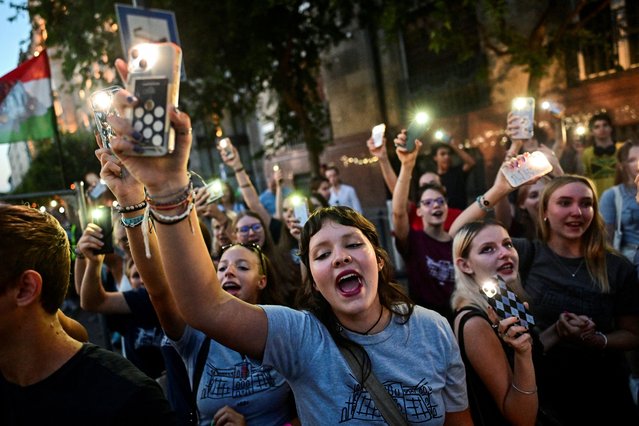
72,155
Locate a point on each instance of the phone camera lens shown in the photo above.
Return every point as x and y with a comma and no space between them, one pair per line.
143,63
134,54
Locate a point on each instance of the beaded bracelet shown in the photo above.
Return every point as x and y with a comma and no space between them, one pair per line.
484,204
132,208
132,222
176,205
246,185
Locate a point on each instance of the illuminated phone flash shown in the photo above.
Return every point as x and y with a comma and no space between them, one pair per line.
276,168
439,135
224,143
146,54
216,186
422,118
519,103
489,288
101,101
96,214
538,160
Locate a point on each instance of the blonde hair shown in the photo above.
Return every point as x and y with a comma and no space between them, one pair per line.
594,246
467,291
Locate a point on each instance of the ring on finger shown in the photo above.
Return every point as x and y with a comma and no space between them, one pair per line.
185,131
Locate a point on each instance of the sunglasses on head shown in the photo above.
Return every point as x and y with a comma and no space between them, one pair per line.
255,248
256,227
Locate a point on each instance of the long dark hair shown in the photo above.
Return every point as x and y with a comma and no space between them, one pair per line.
391,296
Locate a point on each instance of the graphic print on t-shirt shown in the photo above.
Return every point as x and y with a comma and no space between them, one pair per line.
244,379
441,270
414,402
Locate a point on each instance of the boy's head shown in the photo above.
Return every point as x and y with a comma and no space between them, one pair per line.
32,240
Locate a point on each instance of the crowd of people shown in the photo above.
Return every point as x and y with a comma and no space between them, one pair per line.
232,311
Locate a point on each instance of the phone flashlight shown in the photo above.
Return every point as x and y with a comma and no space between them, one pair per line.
276,168
416,129
145,55
519,103
489,288
215,190
300,208
225,145
378,135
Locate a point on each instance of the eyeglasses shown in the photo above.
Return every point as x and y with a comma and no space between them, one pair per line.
256,227
255,248
431,201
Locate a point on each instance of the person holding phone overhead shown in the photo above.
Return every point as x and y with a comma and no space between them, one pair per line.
589,293
352,303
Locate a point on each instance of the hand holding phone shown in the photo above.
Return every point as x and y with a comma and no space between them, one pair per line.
525,168
102,105
225,146
215,190
524,110
416,130
378,135
154,79
300,209
101,216
505,302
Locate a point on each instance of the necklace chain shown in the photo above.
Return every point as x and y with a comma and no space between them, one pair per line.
381,313
558,261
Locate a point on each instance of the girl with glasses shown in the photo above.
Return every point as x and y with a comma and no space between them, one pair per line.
350,299
427,252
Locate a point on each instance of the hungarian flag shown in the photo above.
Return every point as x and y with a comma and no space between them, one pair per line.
26,104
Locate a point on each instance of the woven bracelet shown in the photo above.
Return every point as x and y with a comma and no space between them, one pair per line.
132,222
180,196
172,220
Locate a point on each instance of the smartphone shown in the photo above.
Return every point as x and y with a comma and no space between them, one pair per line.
524,108
300,209
378,135
226,146
442,136
101,216
99,189
505,302
530,165
416,130
215,190
102,105
154,78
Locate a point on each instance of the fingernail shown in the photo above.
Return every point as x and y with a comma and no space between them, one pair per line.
138,149
130,99
136,135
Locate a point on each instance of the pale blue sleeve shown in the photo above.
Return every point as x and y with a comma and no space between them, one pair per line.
607,207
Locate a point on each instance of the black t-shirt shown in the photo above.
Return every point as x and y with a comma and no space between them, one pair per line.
95,387
454,180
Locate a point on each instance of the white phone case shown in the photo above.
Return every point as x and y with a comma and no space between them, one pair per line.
530,166
378,135
526,114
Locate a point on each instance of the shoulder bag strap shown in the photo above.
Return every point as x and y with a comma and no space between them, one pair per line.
618,206
383,400
202,355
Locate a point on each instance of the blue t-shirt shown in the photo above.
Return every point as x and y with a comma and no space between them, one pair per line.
629,212
256,391
418,362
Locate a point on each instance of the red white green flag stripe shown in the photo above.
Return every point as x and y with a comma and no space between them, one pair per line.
26,104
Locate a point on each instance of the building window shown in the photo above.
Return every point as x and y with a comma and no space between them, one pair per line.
613,41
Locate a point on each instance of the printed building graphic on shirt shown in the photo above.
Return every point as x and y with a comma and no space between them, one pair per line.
244,379
441,270
413,401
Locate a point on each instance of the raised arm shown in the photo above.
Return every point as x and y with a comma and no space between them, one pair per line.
93,296
249,193
401,224
390,178
130,195
188,267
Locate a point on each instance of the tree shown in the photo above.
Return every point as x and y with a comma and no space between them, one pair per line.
233,52
46,170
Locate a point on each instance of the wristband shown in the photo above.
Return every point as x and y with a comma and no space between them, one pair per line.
132,222
239,170
525,392
605,338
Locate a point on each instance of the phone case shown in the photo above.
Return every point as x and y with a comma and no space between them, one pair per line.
378,135
524,108
154,78
225,145
506,303
530,166
215,190
414,131
102,105
103,220
300,211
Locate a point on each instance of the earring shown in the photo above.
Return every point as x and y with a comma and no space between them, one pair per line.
545,219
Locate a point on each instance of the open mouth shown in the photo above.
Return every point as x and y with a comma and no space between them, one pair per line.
349,284
438,213
506,268
231,288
